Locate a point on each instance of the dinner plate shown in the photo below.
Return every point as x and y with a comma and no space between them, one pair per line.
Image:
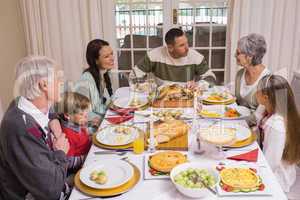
229,98
241,132
109,135
124,102
117,171
218,112
108,192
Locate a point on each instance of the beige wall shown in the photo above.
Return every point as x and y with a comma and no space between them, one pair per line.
12,46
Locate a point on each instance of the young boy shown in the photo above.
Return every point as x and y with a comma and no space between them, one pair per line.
73,111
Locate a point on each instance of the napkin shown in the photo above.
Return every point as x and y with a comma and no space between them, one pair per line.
250,156
118,119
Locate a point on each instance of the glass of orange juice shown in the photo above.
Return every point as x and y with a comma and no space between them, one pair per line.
138,144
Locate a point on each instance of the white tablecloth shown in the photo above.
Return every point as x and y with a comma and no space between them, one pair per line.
164,189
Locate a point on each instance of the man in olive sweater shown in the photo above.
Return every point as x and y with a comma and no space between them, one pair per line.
175,62
33,164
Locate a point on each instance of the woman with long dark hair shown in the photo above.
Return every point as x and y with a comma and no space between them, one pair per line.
95,82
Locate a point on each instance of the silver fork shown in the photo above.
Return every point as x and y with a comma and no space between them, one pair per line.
110,152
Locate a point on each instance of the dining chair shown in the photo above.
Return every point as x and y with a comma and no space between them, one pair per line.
1,111
295,84
294,190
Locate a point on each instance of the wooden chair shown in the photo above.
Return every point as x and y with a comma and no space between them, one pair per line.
295,84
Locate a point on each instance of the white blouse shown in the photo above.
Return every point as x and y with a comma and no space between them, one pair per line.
273,146
246,89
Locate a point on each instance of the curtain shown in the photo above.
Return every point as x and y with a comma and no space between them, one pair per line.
278,21
62,29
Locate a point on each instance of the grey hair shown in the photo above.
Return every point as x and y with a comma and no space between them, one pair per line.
253,45
29,71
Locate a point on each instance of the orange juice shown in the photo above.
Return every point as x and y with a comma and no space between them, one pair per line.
138,144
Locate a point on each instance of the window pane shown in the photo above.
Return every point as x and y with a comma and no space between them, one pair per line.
139,15
122,15
124,60
138,56
202,15
219,15
202,36
185,14
123,37
155,14
155,39
139,38
220,77
205,53
219,36
218,58
123,80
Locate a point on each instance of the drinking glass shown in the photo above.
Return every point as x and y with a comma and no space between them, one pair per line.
139,144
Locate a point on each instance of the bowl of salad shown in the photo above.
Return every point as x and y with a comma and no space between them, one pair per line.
188,178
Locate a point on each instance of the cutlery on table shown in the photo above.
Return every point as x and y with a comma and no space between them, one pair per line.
117,152
198,178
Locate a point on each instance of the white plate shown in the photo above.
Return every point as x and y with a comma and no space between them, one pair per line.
207,94
108,136
241,133
220,109
124,102
263,175
117,171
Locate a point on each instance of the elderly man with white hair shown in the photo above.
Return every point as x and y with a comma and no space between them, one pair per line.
32,163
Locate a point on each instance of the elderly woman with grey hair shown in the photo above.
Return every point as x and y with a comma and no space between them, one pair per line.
249,54
33,164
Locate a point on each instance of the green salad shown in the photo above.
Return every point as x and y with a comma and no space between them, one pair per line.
192,178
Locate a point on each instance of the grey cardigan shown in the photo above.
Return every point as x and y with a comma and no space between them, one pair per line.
250,99
27,163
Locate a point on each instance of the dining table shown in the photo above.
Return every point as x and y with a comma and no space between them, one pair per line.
164,189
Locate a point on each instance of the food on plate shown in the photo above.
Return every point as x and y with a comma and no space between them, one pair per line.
175,92
166,161
99,176
168,114
219,97
192,178
231,112
164,131
218,135
207,113
123,130
240,180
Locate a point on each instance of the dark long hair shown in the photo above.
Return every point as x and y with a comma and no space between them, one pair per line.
92,54
282,101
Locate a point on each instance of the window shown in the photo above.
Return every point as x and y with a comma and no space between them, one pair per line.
205,25
139,28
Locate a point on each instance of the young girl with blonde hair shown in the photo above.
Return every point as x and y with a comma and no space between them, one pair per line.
280,133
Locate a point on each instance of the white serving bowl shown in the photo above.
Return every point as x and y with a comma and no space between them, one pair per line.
194,192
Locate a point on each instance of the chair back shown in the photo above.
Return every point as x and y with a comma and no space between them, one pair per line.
1,111
295,84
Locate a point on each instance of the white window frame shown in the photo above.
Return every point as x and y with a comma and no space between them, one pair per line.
167,9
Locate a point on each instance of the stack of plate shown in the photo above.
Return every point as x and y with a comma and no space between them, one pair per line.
121,177
109,138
